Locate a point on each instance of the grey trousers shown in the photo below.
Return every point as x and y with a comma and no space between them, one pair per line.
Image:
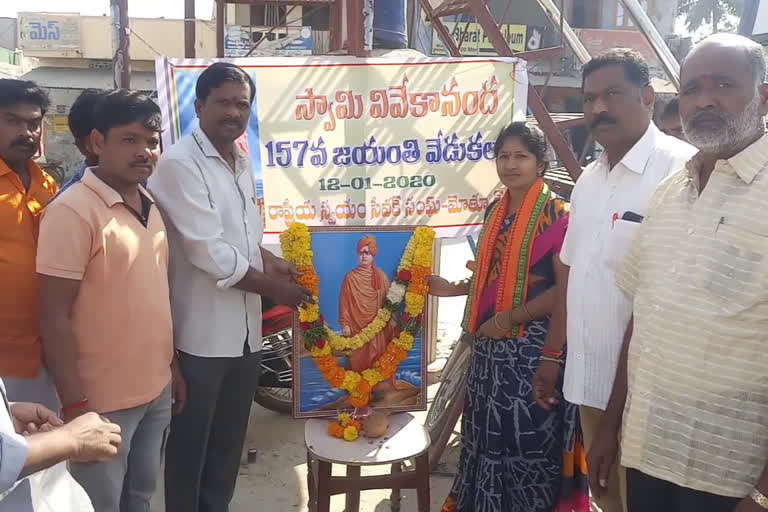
202,456
127,482
40,390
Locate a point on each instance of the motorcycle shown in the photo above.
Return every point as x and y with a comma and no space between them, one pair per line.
275,391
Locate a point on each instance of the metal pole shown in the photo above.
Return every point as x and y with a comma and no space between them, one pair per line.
121,61
337,14
660,48
221,13
189,29
553,13
537,107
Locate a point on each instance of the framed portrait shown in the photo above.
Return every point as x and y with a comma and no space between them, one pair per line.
355,267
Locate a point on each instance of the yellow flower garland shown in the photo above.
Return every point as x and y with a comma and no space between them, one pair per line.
297,249
415,266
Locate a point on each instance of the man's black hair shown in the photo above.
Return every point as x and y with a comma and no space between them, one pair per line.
633,63
218,73
81,112
13,92
671,109
124,106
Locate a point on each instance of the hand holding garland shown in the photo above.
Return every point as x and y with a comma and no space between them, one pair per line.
441,287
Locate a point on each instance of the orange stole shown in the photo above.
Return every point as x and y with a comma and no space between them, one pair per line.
362,294
510,278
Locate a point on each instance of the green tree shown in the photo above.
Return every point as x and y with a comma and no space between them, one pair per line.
710,12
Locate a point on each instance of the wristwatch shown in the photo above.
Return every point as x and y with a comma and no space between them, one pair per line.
759,498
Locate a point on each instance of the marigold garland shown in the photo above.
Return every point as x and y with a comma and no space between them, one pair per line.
409,285
299,252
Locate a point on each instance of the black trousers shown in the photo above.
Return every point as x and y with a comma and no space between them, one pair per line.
648,494
205,443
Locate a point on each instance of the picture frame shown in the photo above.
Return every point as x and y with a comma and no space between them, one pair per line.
338,267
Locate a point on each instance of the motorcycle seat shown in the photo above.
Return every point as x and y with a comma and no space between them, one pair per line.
275,312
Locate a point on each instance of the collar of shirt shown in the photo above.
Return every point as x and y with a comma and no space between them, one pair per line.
107,194
637,157
35,172
209,150
747,164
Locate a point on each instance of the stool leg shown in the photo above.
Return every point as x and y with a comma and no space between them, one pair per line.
323,486
422,474
396,498
352,503
311,484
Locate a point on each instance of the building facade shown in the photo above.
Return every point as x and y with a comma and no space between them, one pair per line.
67,53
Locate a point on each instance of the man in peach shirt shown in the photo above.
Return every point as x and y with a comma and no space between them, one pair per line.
106,313
24,190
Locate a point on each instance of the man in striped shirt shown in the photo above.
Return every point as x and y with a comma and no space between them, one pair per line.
691,390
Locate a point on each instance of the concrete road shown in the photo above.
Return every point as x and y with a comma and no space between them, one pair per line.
277,481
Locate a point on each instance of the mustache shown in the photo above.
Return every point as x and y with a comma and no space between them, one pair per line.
25,143
707,115
603,118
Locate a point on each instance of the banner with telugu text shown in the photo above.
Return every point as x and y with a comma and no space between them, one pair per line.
341,141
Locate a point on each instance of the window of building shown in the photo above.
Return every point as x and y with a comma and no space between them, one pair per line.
624,19
319,18
267,15
585,13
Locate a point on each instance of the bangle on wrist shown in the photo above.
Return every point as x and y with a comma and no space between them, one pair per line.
550,359
496,323
557,354
75,406
759,498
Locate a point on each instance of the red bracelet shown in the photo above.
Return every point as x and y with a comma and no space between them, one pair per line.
77,405
557,354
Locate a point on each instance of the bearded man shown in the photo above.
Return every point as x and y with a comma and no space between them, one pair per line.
691,395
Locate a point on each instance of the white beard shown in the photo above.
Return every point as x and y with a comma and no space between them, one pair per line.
737,130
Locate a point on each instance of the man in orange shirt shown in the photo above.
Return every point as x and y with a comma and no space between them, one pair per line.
24,190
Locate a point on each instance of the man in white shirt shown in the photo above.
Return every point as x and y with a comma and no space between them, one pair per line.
690,396
206,189
45,443
608,204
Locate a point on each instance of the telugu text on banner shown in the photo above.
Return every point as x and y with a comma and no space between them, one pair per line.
351,142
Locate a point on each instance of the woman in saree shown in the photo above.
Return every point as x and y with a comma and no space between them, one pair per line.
515,456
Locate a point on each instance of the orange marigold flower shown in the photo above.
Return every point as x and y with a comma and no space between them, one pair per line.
336,430
358,402
336,377
363,387
326,363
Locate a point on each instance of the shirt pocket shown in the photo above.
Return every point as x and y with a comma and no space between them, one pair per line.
734,269
618,243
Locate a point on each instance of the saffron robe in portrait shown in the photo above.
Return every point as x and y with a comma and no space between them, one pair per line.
362,294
